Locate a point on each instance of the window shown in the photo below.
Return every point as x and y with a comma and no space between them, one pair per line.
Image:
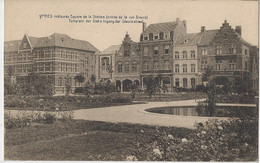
24,68
24,45
167,65
40,66
156,37
192,67
232,49
145,51
204,52
246,65
166,49
184,68
218,64
176,55
60,81
184,54
126,53
156,51
127,66
19,69
177,68
119,67
166,80
62,54
161,35
218,49
193,82
156,65
134,66
47,54
185,82
192,54
145,66
47,66
245,51
145,38
177,82
150,36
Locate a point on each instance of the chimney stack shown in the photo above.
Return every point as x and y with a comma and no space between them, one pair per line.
238,30
177,20
202,30
144,26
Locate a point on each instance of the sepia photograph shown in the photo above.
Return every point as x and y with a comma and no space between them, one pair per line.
130,80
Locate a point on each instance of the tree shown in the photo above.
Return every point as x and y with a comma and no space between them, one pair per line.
88,89
68,84
79,78
134,88
93,78
152,85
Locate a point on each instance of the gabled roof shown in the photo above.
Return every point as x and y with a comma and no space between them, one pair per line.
207,36
111,50
56,39
188,39
11,46
160,27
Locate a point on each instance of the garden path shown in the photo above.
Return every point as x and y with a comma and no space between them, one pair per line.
137,114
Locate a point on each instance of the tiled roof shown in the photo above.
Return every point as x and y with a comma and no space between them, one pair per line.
11,46
56,39
63,40
160,27
111,50
189,39
207,37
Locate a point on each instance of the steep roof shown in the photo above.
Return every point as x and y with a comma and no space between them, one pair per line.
188,39
11,46
207,36
56,39
160,27
111,50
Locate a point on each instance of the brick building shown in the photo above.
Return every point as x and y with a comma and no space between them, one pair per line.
155,44
54,58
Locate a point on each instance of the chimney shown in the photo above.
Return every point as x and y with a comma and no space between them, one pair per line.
202,30
238,30
144,26
177,20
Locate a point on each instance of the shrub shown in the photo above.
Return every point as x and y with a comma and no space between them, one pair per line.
49,118
79,90
214,140
21,120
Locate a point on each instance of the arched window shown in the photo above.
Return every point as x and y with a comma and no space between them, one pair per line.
145,65
167,65
134,66
127,66
184,68
192,54
184,54
156,65
177,56
192,68
119,67
177,68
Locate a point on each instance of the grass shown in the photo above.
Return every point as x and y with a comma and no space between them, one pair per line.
81,140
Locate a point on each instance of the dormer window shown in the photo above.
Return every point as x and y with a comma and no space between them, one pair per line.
156,37
145,37
150,36
161,35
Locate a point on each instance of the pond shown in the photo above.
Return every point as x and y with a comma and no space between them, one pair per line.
223,111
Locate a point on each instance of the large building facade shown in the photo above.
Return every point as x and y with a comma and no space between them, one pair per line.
164,49
181,58
57,58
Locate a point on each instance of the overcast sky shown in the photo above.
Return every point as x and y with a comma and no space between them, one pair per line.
23,17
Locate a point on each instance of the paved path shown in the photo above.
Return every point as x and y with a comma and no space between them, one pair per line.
137,114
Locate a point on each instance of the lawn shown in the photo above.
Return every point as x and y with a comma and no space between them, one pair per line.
82,140
90,140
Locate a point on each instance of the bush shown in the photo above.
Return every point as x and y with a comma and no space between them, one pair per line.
49,118
214,140
19,121
79,90
66,116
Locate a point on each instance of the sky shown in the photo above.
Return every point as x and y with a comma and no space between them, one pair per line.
22,17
